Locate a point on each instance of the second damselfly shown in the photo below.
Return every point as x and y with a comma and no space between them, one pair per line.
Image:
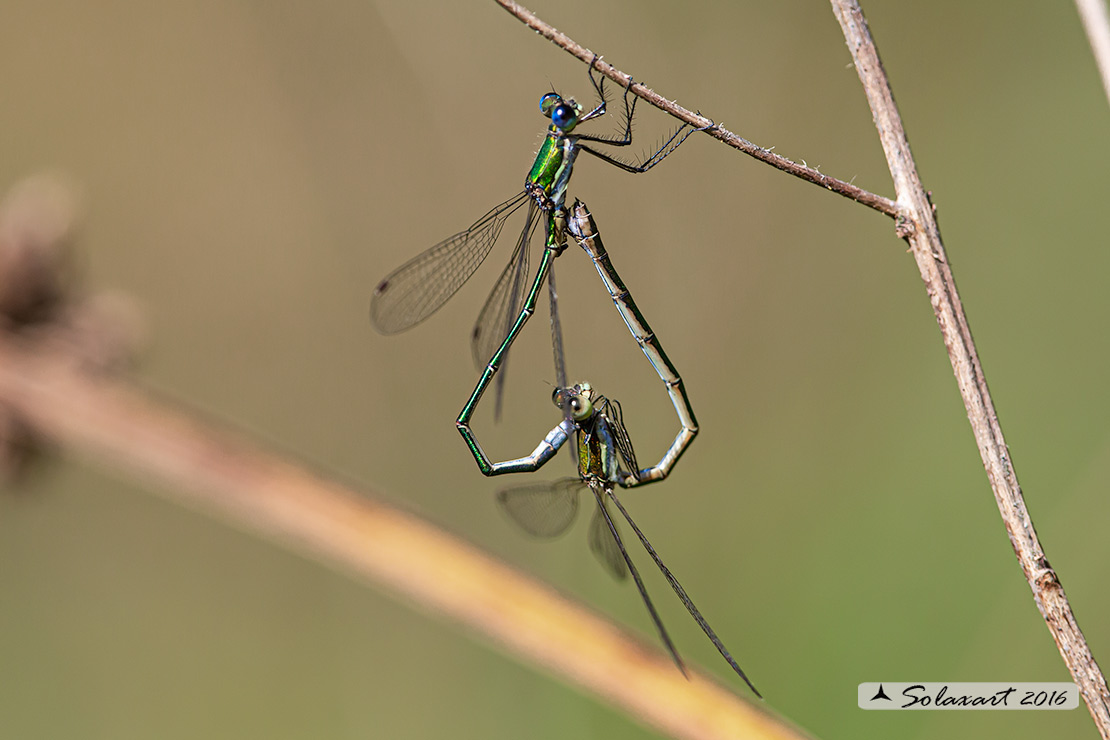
606,460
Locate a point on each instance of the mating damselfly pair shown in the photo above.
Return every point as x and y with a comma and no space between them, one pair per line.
419,287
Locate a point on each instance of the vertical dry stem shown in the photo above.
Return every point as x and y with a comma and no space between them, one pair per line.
919,227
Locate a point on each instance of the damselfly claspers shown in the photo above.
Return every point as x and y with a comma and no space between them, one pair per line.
548,509
419,287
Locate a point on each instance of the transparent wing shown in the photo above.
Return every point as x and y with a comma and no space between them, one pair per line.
542,509
604,543
615,416
507,297
603,523
683,596
413,291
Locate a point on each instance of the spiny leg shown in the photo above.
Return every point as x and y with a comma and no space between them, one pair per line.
629,112
626,138
600,108
658,156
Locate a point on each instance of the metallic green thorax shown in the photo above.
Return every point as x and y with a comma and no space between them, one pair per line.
597,458
550,173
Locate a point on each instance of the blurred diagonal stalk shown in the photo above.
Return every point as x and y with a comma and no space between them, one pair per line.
61,387
58,398
1096,22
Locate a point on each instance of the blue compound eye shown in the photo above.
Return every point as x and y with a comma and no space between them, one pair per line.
548,103
564,116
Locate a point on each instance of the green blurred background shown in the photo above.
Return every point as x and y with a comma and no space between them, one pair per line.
251,169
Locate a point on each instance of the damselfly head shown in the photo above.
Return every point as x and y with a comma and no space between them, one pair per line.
578,398
563,113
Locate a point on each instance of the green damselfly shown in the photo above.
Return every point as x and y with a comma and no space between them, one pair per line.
418,288
548,509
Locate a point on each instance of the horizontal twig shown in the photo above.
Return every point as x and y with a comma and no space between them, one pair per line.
696,119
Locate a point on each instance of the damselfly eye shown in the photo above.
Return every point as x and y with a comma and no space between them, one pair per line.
564,116
580,408
548,103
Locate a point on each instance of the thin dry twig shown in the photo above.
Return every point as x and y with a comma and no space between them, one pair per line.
1096,22
48,388
923,234
878,202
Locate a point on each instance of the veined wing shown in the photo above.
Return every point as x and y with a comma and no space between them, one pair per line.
615,416
542,509
417,288
606,526
605,542
683,597
507,297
